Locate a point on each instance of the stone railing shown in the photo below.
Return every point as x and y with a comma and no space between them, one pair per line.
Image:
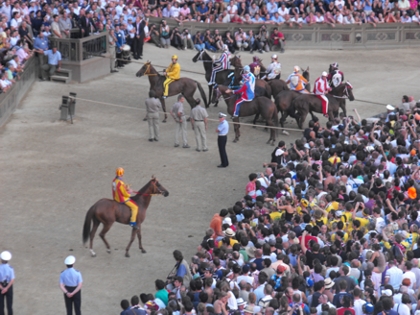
322,36
10,100
79,49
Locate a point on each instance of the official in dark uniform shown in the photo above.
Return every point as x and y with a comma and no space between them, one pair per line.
7,278
139,37
71,284
222,130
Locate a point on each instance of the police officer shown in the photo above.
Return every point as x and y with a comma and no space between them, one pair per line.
7,278
222,130
71,284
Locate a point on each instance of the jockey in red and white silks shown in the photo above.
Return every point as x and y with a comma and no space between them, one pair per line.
223,64
246,90
321,87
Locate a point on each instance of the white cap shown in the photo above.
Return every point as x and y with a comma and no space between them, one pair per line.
296,68
221,115
274,56
324,73
225,47
387,292
6,255
339,213
390,107
70,260
227,220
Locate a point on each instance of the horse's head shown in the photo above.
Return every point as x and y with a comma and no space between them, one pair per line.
199,56
157,188
349,91
145,70
305,73
236,61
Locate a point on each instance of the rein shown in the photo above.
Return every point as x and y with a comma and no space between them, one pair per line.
346,96
149,74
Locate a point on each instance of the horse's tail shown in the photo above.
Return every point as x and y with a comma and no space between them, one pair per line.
88,220
203,95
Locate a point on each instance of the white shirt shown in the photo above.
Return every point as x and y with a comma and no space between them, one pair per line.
283,12
357,306
402,309
410,275
319,308
175,12
319,19
380,224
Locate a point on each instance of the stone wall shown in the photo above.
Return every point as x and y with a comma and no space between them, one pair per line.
322,36
10,100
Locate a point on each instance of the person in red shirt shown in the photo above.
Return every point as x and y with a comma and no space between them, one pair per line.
346,309
251,188
277,39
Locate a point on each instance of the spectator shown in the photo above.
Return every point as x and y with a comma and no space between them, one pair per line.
54,63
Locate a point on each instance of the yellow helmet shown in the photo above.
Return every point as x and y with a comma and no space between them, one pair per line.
119,171
175,57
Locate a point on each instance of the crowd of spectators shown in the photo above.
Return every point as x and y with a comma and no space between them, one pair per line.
330,227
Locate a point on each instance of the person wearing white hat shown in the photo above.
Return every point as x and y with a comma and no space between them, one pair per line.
246,91
296,81
71,282
7,278
390,111
321,87
273,71
222,130
223,63
335,76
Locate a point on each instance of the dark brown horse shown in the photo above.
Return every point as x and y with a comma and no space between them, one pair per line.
184,86
307,103
284,99
107,211
261,105
276,85
225,77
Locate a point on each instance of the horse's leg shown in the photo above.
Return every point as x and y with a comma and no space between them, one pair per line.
139,237
92,235
272,130
255,120
133,236
209,100
162,101
236,127
302,119
102,235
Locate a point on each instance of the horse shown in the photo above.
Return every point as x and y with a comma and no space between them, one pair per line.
107,211
284,99
261,105
224,77
185,86
307,103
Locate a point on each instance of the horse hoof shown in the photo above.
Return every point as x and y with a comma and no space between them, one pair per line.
144,119
164,121
254,127
234,141
92,253
127,255
215,105
272,143
143,250
108,251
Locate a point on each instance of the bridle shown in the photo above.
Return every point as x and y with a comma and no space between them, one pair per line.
345,92
200,57
159,191
146,73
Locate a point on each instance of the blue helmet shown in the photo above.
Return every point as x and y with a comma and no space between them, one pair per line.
247,69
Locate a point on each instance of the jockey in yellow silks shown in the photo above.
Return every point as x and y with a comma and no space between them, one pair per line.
121,194
172,73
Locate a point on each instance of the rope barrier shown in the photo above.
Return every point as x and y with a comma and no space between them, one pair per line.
375,103
161,113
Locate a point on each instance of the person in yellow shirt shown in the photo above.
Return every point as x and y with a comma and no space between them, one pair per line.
121,194
172,73
334,159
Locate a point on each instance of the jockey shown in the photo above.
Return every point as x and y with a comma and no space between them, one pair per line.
246,91
121,194
172,73
321,87
273,70
255,66
335,77
296,81
223,64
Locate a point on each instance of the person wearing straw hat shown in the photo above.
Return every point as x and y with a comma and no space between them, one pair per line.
222,131
7,278
71,284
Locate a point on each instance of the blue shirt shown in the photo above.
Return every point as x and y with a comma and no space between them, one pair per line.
223,128
53,59
71,277
41,43
6,273
181,272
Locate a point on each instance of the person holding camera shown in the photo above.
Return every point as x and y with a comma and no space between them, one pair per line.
187,40
199,41
154,35
165,38
176,39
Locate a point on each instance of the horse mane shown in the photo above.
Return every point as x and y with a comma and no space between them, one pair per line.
142,190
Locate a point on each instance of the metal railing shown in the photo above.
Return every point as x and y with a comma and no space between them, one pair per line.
79,49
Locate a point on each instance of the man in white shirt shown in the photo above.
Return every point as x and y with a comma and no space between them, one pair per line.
323,299
283,11
408,274
358,302
394,275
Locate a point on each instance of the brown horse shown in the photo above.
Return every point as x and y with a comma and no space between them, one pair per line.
107,211
185,86
275,85
284,99
307,103
225,77
261,105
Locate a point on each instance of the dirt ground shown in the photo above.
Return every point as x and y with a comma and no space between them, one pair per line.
52,172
